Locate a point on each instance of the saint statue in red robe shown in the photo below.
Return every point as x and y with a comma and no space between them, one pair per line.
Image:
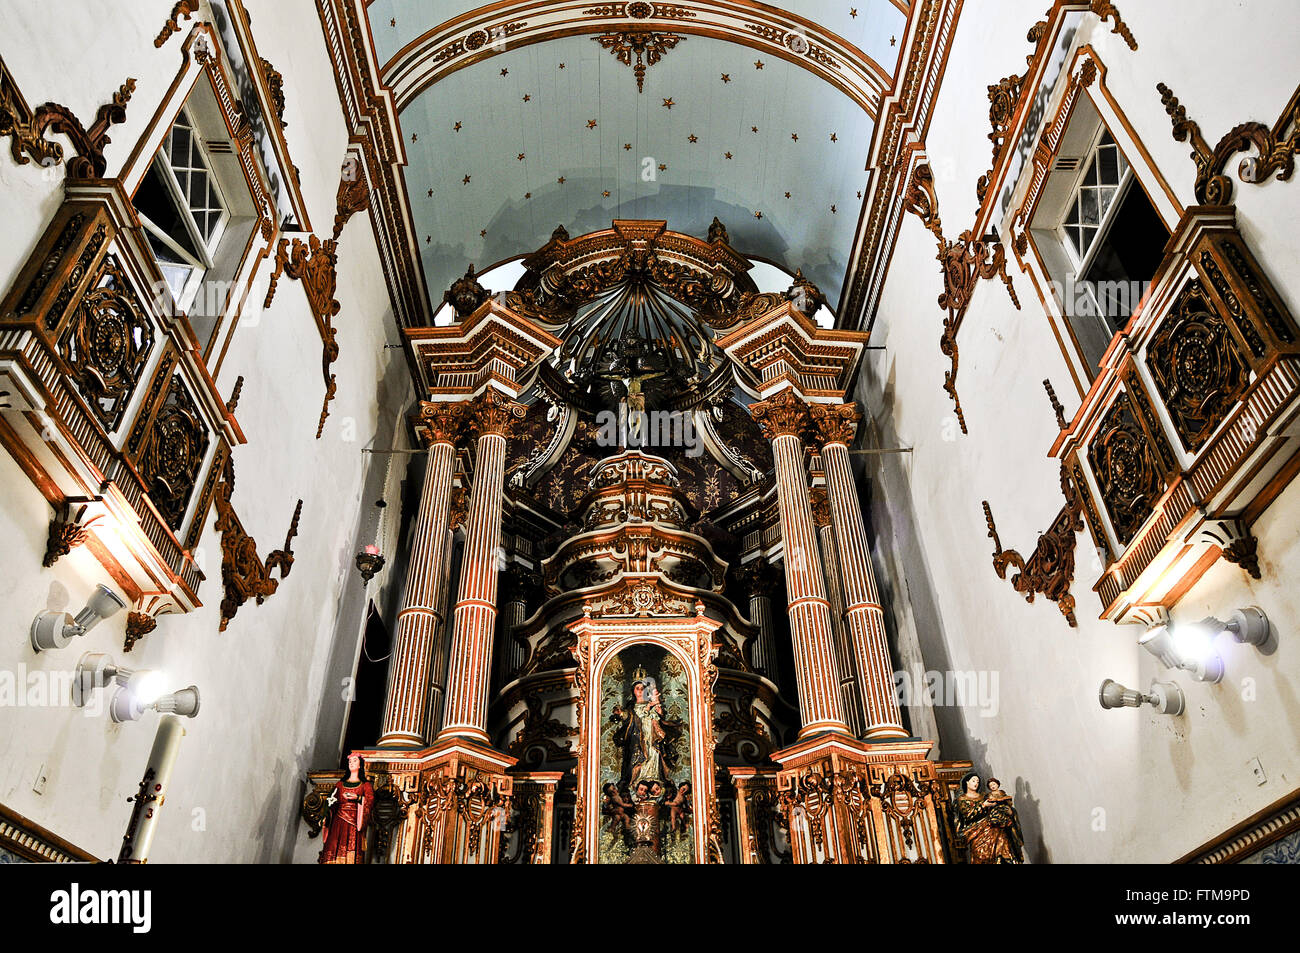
349,813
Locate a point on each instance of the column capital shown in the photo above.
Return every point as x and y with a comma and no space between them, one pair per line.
785,413
821,506
458,508
835,423
757,578
440,421
492,412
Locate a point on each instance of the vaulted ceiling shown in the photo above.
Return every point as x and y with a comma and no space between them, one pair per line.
520,116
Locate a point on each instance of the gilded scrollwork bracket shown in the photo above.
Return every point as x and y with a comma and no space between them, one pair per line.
1049,570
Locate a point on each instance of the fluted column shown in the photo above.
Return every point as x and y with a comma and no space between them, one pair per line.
518,584
420,621
863,613
821,510
474,620
757,578
784,418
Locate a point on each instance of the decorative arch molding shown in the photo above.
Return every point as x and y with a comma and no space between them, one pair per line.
499,27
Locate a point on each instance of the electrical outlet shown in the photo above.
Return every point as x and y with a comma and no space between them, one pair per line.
38,785
1257,770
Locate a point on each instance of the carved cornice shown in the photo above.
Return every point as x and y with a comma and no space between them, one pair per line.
1275,148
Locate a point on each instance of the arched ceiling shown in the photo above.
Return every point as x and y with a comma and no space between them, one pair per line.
594,147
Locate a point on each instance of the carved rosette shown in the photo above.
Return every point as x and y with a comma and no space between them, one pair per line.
1199,371
175,442
1127,470
782,415
107,344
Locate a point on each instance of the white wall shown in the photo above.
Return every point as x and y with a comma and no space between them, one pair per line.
1166,785
272,702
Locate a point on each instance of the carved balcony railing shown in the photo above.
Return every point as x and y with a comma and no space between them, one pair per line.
106,403
1188,432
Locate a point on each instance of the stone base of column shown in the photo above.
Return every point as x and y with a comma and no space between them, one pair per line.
455,797
846,801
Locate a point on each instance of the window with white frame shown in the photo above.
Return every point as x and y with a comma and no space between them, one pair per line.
1100,237
182,209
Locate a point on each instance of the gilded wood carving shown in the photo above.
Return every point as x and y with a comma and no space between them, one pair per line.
27,127
1275,148
173,441
244,574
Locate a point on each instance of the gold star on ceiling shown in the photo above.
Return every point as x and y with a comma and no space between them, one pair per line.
627,147
520,157
726,77
560,180
427,239
591,124
692,138
663,166
561,66
758,215
465,181
893,40
415,137
393,22
456,128
758,64
834,138
753,129
505,71
668,103
431,193
605,194
726,155
859,193
832,209
482,233
794,136
528,97
528,195
853,12
787,195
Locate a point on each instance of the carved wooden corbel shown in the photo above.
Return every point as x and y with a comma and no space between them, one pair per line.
27,127
315,264
1276,149
68,530
1050,568
353,194
244,574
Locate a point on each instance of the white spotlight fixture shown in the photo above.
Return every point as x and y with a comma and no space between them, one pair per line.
137,692
54,629
1190,646
1164,697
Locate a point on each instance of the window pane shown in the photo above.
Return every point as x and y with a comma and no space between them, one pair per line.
1091,177
1108,163
1089,211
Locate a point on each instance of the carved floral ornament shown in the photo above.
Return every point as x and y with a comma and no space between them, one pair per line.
27,128
783,415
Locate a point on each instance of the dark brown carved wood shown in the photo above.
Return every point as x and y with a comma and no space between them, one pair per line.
1127,469
107,343
68,530
315,264
1049,570
173,441
244,575
184,9
1275,148
353,193
1199,371
27,127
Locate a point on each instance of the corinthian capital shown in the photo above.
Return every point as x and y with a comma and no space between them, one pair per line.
835,423
784,414
821,506
441,420
492,412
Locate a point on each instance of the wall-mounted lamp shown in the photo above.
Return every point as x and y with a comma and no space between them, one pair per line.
369,561
1164,697
1190,646
137,692
54,629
